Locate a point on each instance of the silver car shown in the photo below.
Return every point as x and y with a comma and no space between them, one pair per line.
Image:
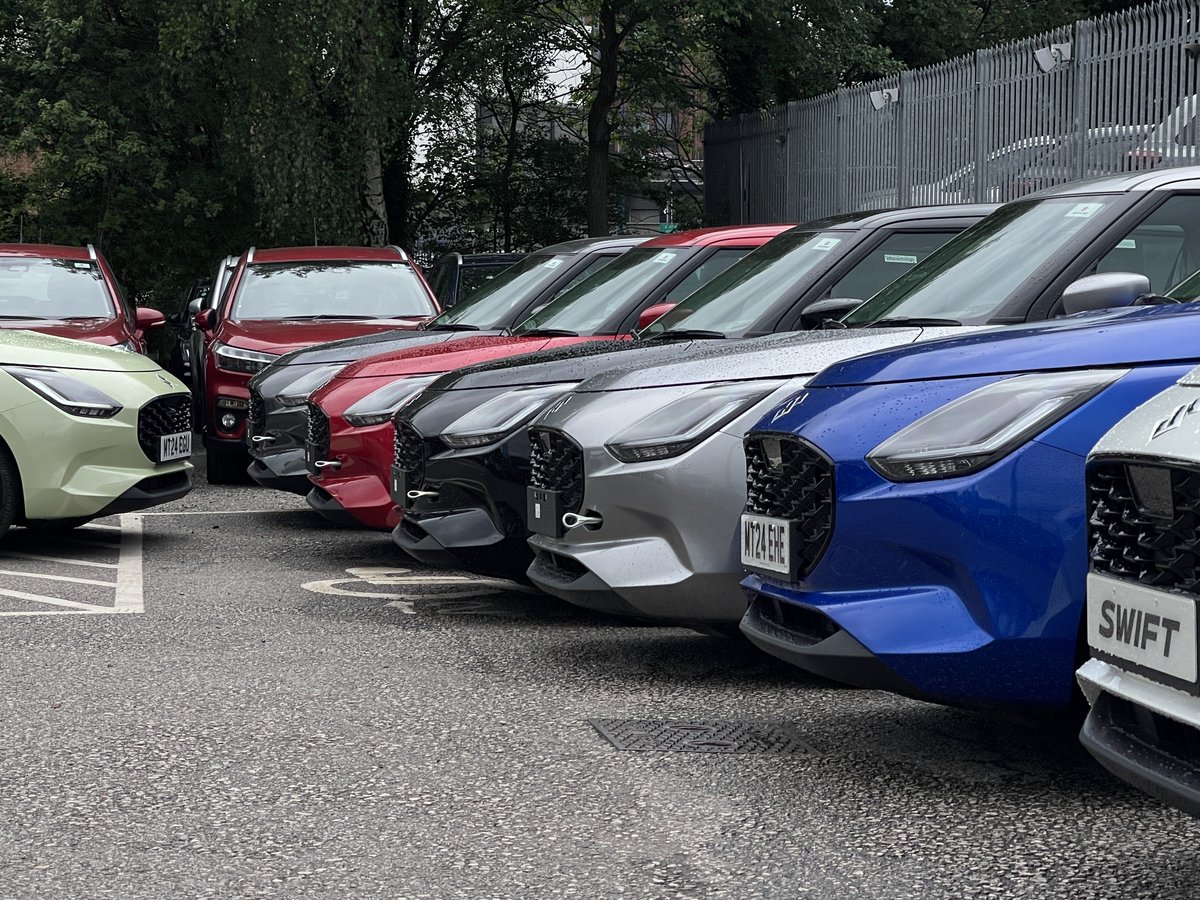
1144,506
637,476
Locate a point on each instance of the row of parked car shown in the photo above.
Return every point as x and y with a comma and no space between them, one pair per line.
880,446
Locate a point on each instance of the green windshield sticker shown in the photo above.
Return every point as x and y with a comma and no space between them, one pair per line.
1083,210
902,258
826,243
1127,244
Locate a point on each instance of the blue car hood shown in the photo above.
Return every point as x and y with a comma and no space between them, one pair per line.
1126,337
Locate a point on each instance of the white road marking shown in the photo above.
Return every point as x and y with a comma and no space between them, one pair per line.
52,601
129,596
58,578
57,559
403,600
225,512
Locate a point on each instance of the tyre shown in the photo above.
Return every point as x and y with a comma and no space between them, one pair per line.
10,490
227,466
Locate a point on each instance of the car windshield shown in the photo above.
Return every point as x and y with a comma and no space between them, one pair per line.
590,305
476,275
736,298
491,303
330,290
971,277
53,289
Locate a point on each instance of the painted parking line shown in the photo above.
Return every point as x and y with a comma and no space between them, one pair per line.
123,581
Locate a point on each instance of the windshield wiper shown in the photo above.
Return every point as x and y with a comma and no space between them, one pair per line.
901,321
29,318
688,334
451,326
332,316
547,332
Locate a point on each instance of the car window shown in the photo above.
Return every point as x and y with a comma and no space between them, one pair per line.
53,289
971,277
440,278
705,272
475,276
506,292
593,264
885,263
592,304
1165,246
337,290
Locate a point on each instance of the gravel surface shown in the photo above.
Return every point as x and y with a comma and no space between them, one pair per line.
257,733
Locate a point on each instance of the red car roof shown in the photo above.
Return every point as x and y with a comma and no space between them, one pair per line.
310,254
45,251
732,235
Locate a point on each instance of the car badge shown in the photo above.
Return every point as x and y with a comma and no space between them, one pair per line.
789,406
1173,421
558,404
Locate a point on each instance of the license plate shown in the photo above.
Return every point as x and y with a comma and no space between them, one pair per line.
399,487
544,512
1135,624
175,446
767,543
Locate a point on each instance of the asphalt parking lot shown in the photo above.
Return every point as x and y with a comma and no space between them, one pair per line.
229,698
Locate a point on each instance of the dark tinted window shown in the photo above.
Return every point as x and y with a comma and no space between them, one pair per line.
887,262
717,263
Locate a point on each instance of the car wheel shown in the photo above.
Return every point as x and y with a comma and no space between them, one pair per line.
227,466
10,490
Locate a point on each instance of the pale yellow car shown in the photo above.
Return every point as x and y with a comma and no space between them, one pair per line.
87,431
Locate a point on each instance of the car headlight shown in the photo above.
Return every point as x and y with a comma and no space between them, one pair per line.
681,425
297,392
380,405
128,346
235,359
66,392
500,416
985,425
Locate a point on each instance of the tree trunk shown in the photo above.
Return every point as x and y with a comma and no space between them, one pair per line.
375,216
599,126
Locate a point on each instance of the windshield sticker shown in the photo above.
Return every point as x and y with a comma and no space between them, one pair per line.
826,243
83,265
663,257
552,263
1127,244
902,258
1083,210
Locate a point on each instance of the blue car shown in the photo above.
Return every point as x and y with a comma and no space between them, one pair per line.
916,517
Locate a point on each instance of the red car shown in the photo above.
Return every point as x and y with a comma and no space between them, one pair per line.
285,299
70,292
349,447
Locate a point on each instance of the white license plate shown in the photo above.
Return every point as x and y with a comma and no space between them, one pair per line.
175,446
1143,626
767,543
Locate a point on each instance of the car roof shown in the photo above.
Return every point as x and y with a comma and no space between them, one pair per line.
1122,182
708,237
879,218
483,259
581,245
319,254
45,251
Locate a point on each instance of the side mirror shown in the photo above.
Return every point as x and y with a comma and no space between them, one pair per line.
147,318
206,319
816,314
1107,290
193,307
650,313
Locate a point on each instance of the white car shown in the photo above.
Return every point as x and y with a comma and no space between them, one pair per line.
1143,484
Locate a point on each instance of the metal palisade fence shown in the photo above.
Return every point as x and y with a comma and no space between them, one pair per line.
1105,95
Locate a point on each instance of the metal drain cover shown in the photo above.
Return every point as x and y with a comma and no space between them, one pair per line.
702,736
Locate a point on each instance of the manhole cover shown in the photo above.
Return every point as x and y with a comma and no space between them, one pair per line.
702,737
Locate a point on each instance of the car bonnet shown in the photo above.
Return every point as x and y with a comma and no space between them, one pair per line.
1125,337
31,348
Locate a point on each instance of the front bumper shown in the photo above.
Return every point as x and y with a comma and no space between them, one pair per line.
330,509
284,471
1145,733
463,539
360,484
95,463
276,445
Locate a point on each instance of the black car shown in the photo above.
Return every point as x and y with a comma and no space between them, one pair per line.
455,276
464,506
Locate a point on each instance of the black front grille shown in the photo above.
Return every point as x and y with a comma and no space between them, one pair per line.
408,451
318,431
1128,539
556,464
256,415
164,415
789,479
